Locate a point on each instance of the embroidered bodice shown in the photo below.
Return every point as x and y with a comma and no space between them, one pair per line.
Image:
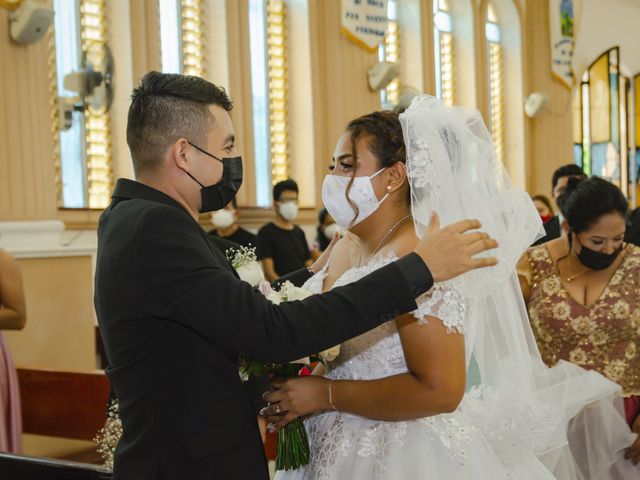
378,353
603,336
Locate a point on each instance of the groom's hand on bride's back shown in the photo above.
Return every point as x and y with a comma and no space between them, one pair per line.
450,251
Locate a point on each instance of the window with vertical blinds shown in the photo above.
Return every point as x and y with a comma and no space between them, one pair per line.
269,79
389,51
496,79
83,160
444,51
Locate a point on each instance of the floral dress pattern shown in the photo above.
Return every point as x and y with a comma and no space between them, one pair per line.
603,336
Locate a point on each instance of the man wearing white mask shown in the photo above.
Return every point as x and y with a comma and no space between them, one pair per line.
282,245
227,227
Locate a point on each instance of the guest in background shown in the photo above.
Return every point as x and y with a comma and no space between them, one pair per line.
13,316
282,245
583,291
326,230
543,205
227,228
561,176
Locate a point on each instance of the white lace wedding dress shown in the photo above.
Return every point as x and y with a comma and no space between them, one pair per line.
443,447
519,419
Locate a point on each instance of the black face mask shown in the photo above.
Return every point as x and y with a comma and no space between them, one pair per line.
218,196
597,260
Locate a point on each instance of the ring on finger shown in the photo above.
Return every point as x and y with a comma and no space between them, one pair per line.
278,408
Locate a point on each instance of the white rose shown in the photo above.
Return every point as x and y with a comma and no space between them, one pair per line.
275,298
251,273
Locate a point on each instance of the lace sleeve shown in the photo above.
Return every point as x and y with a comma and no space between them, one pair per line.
445,302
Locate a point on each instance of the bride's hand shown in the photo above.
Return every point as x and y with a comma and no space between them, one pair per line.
295,397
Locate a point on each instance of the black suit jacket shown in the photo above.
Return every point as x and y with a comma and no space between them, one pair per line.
552,230
174,316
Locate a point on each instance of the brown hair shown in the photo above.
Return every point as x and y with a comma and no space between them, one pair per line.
383,132
543,199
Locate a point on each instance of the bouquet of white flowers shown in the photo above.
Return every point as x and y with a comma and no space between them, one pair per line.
245,263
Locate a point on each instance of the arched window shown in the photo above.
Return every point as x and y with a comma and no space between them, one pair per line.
496,79
83,151
444,51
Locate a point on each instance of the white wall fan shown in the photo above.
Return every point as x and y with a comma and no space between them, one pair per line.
93,84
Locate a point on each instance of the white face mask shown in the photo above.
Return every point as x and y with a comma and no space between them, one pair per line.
361,194
288,210
331,230
222,218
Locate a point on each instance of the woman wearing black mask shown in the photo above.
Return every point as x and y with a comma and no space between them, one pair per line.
583,291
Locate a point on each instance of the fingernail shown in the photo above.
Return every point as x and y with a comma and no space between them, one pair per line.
271,428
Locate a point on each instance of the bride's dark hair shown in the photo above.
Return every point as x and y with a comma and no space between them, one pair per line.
383,132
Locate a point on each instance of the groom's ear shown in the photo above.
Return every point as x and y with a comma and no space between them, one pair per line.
177,153
396,176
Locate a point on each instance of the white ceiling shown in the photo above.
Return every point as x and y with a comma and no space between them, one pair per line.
603,24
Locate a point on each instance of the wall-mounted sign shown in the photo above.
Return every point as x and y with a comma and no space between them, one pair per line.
562,29
365,22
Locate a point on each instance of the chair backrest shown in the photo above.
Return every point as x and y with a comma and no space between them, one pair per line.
63,404
19,467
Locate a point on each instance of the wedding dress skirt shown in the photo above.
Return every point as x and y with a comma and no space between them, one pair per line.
486,437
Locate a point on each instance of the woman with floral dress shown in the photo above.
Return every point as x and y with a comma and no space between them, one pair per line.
583,292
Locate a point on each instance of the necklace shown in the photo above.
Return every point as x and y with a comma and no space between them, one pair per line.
391,230
571,277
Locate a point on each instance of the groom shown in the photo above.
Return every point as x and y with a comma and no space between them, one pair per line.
174,316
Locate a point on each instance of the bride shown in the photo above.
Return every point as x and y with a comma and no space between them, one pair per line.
457,390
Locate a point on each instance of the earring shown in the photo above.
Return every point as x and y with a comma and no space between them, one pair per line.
389,187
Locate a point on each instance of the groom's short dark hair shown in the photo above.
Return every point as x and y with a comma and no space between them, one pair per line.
165,107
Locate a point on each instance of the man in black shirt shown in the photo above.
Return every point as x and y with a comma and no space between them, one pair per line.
226,223
282,245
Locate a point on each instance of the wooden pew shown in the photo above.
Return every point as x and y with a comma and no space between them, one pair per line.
59,404
63,404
